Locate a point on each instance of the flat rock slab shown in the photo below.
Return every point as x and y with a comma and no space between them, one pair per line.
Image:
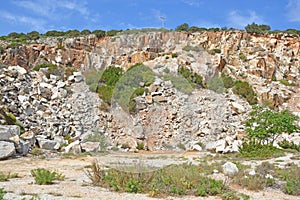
7,149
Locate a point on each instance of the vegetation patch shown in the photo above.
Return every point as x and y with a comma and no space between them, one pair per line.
183,179
46,177
6,177
2,193
193,78
289,145
244,90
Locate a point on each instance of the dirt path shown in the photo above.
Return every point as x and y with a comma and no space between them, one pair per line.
77,185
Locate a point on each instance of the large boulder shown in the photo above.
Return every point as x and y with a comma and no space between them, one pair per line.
7,132
7,149
230,169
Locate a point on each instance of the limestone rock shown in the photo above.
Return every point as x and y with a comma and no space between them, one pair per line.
9,131
7,149
74,147
230,169
91,147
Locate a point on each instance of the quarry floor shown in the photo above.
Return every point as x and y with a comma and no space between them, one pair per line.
77,185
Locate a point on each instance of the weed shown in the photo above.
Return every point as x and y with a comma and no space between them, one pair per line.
5,177
140,146
45,177
289,145
285,82
2,193
243,57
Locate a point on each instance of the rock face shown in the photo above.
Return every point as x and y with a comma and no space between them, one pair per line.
59,110
257,59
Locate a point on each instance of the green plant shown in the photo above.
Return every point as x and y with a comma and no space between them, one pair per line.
193,48
171,180
182,27
289,145
140,146
174,55
2,193
5,177
214,51
133,186
191,77
265,125
246,91
291,175
228,82
105,93
128,84
256,150
45,177
285,82
243,57
180,83
216,84
259,29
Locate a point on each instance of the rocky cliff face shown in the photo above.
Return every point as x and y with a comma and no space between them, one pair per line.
167,118
260,60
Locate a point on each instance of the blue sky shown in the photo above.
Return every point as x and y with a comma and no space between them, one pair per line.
44,15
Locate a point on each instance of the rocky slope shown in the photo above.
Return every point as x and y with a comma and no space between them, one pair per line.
58,106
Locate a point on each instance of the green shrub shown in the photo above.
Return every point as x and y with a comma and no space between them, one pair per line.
182,27
105,92
244,90
129,83
243,57
174,55
228,82
111,75
265,125
45,177
2,193
214,51
289,145
193,78
180,83
256,150
259,29
193,48
285,82
113,32
216,84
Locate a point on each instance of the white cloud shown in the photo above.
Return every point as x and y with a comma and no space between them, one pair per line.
238,20
194,3
55,9
36,24
293,8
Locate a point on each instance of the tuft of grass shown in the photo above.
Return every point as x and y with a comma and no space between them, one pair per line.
5,177
46,177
